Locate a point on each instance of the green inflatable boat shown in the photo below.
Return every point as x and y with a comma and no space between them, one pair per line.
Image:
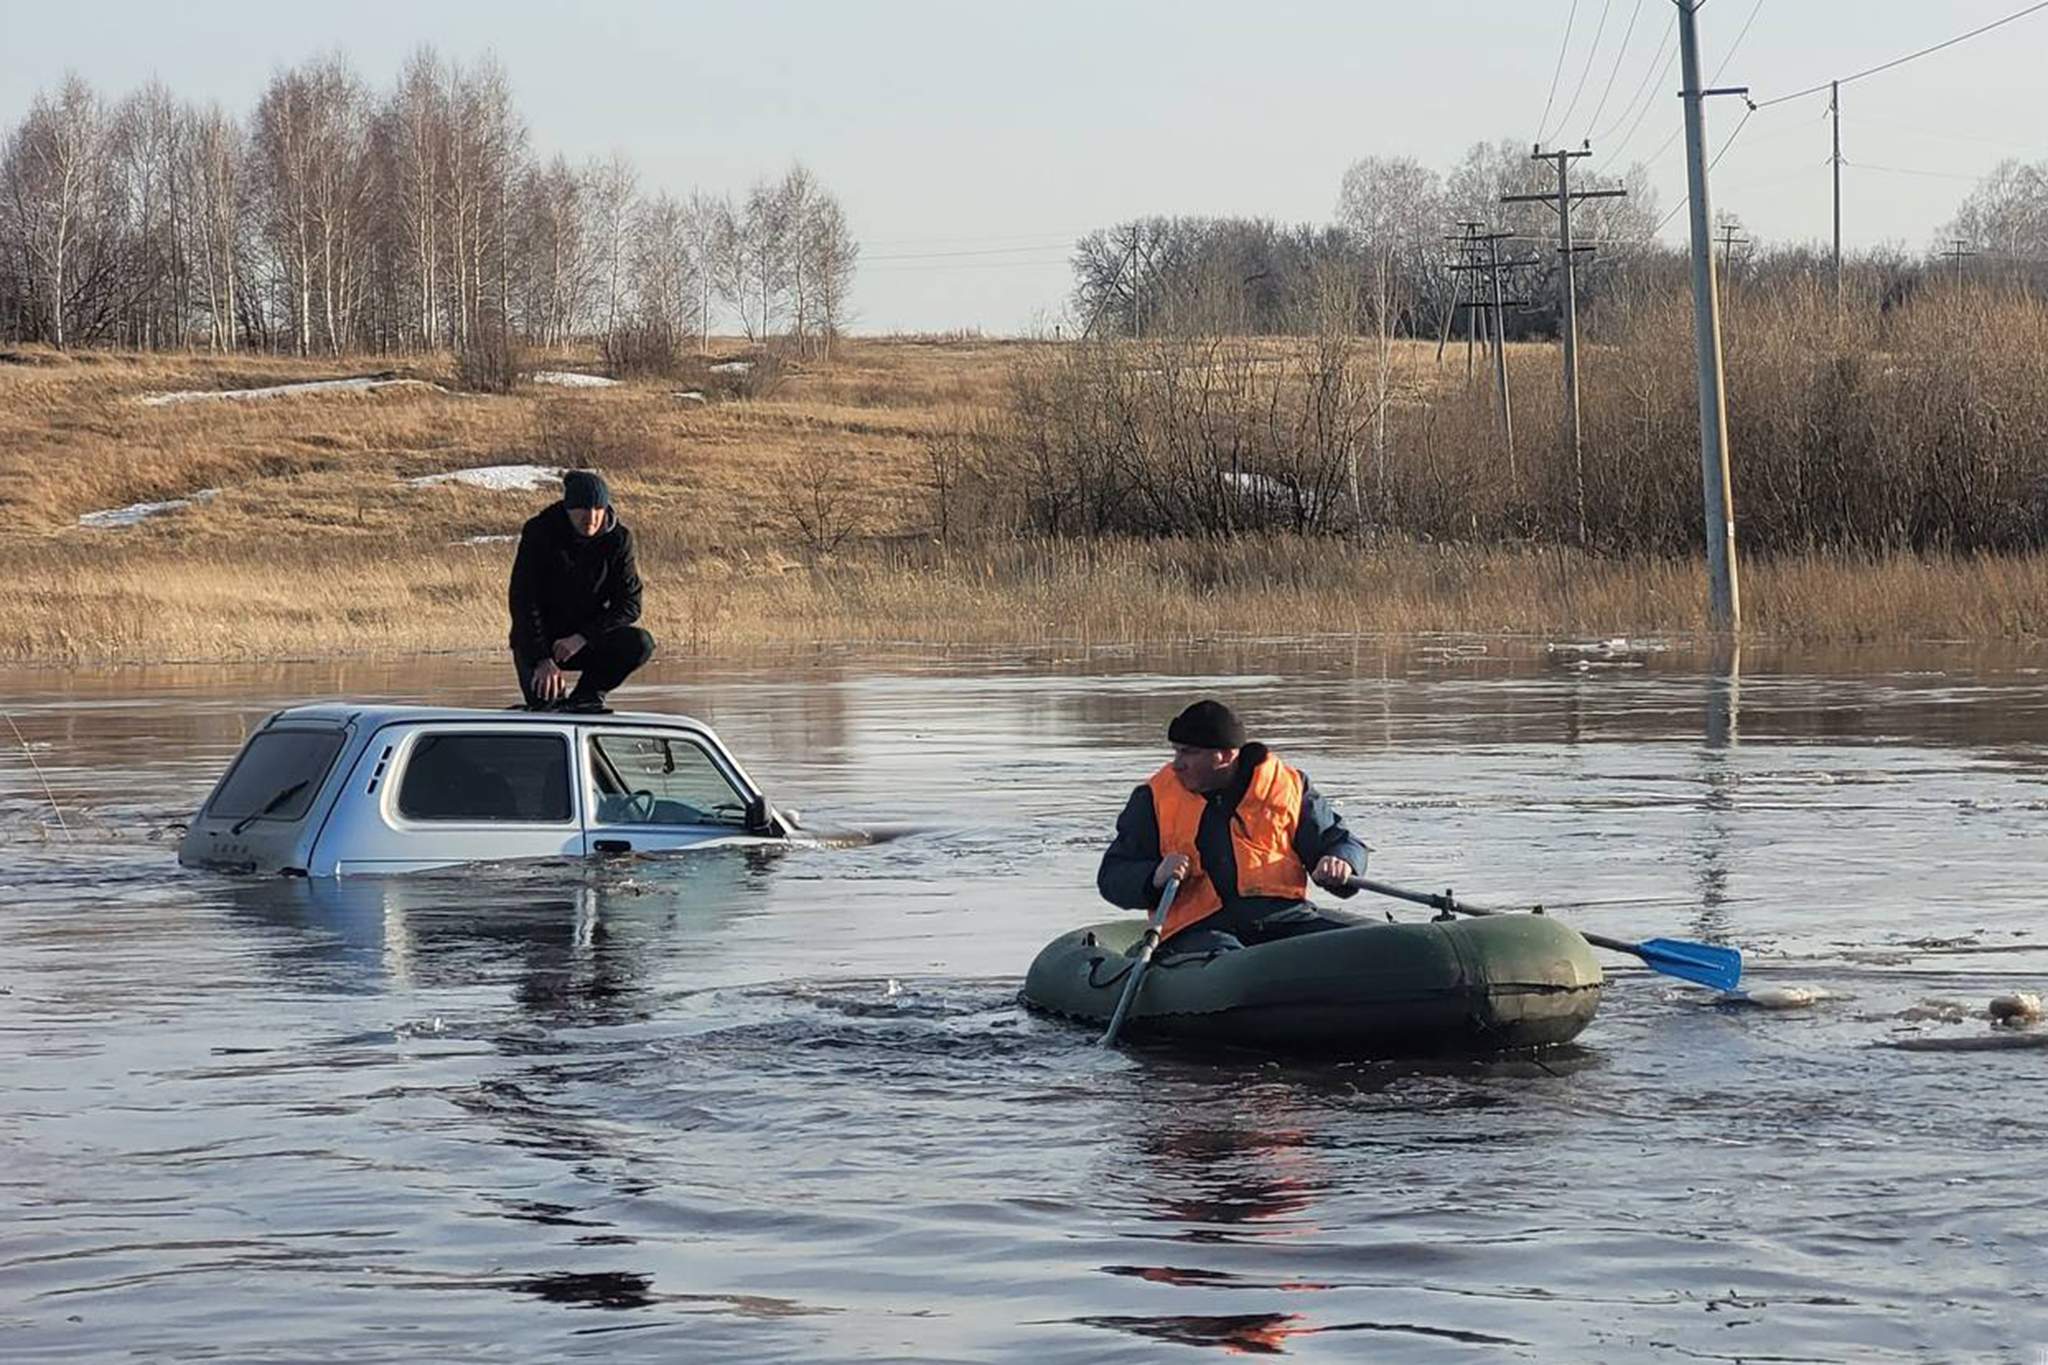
1371,989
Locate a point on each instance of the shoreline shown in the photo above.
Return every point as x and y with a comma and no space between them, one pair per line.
167,609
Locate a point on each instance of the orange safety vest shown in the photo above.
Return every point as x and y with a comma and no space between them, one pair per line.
1261,834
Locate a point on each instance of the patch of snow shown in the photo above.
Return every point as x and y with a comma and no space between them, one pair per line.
483,540
690,395
363,384
496,478
732,367
137,512
570,379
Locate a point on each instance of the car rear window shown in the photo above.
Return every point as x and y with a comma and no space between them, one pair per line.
478,775
277,776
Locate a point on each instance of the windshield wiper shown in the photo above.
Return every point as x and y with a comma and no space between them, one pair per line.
268,806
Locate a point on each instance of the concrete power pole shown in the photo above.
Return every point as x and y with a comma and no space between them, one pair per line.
1724,602
1835,108
1562,201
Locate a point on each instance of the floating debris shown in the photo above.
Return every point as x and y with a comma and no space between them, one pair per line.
2016,1010
1776,997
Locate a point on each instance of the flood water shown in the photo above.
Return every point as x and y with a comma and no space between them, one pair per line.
788,1107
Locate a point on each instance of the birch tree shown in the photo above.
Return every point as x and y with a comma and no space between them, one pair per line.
54,191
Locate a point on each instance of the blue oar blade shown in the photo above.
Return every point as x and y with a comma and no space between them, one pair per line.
1720,968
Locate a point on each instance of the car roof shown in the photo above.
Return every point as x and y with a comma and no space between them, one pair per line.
376,715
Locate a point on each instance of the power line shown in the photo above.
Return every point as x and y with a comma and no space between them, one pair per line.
1726,58
1543,124
1643,86
1592,54
976,239
1903,125
1901,61
1647,93
974,265
1680,206
1620,53
1908,170
979,251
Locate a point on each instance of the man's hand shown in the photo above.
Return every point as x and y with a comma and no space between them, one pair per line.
568,647
1171,866
549,683
1332,872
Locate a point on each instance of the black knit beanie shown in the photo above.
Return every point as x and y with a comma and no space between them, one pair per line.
584,488
1207,725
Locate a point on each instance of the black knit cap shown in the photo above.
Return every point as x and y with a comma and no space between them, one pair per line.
1207,725
584,488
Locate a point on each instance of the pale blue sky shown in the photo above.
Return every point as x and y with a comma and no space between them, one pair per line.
1006,131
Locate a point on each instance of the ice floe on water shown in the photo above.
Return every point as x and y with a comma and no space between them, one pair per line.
1617,647
137,512
360,384
573,379
495,478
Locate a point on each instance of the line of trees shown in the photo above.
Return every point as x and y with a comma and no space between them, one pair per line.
1394,224
339,218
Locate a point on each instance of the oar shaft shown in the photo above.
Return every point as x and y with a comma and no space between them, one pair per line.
1700,962
1144,961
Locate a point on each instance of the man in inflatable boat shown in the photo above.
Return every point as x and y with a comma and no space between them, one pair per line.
1243,831
575,594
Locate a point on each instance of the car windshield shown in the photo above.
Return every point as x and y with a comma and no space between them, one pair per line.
274,762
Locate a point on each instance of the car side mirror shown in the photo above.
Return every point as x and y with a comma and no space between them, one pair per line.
761,818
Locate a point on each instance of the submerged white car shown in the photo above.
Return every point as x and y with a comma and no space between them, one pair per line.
340,789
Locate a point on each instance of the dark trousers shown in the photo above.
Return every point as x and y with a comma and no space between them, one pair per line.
603,663
1249,925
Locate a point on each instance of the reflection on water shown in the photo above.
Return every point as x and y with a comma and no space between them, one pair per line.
786,1106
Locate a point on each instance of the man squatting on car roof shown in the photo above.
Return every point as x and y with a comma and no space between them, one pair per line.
575,594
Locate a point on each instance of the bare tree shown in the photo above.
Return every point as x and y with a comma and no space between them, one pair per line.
1395,210
555,246
755,260
612,194
829,254
665,287
414,137
215,150
55,192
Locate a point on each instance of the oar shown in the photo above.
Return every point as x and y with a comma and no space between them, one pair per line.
1137,974
1704,963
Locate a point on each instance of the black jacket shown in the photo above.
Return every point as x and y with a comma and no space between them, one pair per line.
568,584
1125,877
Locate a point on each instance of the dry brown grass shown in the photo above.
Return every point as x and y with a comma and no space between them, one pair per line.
316,547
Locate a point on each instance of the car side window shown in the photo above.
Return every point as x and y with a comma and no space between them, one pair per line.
483,776
661,780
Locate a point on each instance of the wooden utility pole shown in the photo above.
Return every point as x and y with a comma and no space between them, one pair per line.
1494,307
1956,253
1562,201
1724,602
1729,241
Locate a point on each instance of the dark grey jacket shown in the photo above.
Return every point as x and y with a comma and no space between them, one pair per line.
1125,877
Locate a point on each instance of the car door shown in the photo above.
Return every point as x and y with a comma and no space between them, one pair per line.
441,793
654,790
